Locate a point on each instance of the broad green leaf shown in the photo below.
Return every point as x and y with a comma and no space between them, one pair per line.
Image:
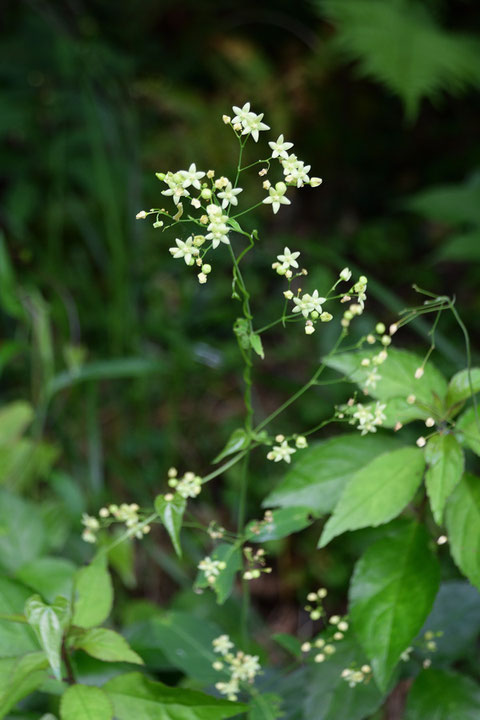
19,677
93,595
285,521
256,343
185,640
397,377
467,429
445,462
391,593
459,386
456,613
265,707
441,695
454,204
106,645
317,478
15,638
49,576
135,696
23,460
14,420
232,557
22,533
48,623
83,702
289,642
460,247
377,493
121,558
171,513
462,518
327,696
238,440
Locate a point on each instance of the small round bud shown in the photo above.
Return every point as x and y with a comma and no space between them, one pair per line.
315,615
338,636
306,647
398,426
226,119
158,224
393,328
421,442
442,540
371,339
207,269
206,193
386,340
419,373
326,317
279,438
380,328
301,442
237,127
309,329
343,626
322,593
312,597
288,294
210,174
104,512
320,657
168,497
141,215
315,181
334,620
202,278
411,399
266,184
365,362
319,643
345,274
329,649
314,315
429,422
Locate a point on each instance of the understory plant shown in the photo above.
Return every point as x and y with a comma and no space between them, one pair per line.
393,466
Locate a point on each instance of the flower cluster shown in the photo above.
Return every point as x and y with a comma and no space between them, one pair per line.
211,568
189,486
354,676
124,513
284,451
368,417
256,563
240,667
359,290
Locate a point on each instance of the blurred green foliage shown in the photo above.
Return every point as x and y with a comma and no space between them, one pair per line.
115,366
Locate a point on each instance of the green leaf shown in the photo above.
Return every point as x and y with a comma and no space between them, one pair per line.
171,513
462,518
446,462
455,204
22,533
82,702
135,696
397,377
391,593
442,695
265,707
14,420
459,386
290,643
400,45
15,639
256,343
285,522
467,430
232,557
327,696
106,645
94,595
19,677
377,493
237,441
186,641
49,576
317,478
48,623
456,612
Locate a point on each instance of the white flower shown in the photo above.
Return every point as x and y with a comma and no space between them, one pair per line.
185,250
222,644
281,452
230,689
371,380
308,303
218,228
245,667
241,113
229,195
295,170
90,522
191,176
277,197
346,274
211,568
288,259
141,215
189,486
175,186
253,124
280,147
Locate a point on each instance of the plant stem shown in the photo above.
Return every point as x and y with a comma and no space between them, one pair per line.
68,665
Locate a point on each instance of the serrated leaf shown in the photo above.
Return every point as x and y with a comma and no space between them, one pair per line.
232,557
462,519
106,645
48,623
15,639
237,441
377,493
445,462
401,46
459,386
265,707
319,475
135,696
397,377
19,677
256,343
467,429
171,514
441,695
391,593
83,702
285,522
93,595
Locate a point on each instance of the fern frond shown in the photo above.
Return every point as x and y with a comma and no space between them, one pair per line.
400,45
